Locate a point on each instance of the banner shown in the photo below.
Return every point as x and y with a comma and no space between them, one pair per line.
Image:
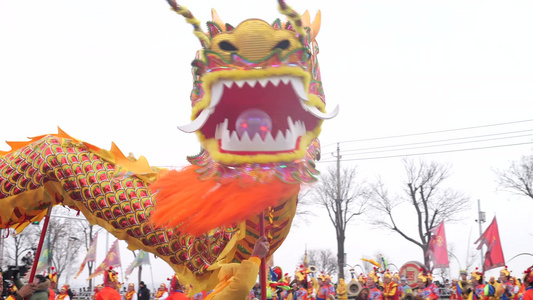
42,264
141,259
112,259
91,255
491,239
437,250
375,263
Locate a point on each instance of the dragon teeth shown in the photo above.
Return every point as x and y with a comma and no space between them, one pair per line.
217,89
230,141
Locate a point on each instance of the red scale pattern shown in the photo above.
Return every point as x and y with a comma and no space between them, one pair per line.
126,204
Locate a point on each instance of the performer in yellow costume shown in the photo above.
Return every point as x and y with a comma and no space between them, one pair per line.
342,291
236,280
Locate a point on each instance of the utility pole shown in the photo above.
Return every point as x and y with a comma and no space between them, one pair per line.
339,218
481,219
338,172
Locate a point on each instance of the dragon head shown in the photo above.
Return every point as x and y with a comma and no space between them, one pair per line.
257,94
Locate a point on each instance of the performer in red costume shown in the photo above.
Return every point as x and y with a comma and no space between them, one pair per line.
109,292
390,288
371,283
528,282
53,283
177,291
424,290
478,293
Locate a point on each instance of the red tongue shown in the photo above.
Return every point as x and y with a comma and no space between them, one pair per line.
253,121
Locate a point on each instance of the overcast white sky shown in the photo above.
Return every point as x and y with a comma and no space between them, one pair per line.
120,71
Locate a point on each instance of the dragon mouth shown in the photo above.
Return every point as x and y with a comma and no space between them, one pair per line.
266,115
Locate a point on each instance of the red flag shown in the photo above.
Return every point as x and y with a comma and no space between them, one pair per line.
491,239
112,259
437,250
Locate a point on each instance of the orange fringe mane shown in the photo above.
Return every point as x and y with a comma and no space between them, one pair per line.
198,206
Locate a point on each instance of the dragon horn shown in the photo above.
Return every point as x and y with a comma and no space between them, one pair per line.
294,17
182,10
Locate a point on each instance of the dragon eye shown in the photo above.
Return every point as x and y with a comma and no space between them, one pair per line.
227,46
282,45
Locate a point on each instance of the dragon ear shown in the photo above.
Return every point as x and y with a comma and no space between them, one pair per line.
216,18
306,19
315,27
213,28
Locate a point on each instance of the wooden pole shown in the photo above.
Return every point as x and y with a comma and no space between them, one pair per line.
262,268
40,246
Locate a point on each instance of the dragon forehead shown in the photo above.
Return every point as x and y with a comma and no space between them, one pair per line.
254,39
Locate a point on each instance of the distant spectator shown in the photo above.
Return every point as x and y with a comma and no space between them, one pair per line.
143,293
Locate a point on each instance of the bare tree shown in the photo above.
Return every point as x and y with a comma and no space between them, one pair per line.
343,199
471,256
425,194
323,259
518,179
65,241
18,244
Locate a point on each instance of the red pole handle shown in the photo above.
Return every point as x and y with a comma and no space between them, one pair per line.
40,246
262,268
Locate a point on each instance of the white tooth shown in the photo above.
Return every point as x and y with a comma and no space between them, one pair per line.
251,82
257,140
198,122
269,139
279,137
221,128
217,90
263,82
245,138
299,88
228,83
291,124
285,79
235,137
225,139
275,80
240,83
317,113
217,131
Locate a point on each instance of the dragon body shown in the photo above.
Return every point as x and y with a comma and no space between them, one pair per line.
257,108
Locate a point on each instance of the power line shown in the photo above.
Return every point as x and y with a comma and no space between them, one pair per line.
428,153
443,140
440,145
428,132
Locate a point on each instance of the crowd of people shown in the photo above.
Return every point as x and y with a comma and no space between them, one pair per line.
239,281
383,285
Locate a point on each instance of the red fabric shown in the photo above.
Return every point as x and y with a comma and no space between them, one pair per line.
528,295
438,253
51,295
491,239
108,293
177,296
